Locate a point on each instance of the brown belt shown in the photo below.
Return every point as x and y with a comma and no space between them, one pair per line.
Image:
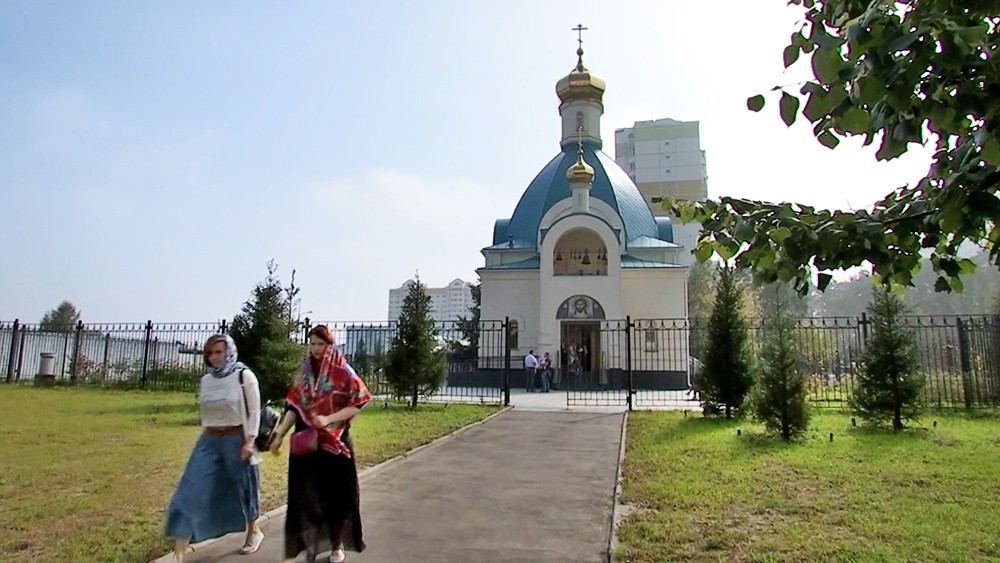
223,430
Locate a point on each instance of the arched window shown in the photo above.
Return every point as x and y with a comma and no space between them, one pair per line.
512,333
579,121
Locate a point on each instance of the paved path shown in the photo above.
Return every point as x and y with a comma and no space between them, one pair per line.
523,486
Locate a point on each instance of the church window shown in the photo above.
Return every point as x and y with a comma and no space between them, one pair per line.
512,334
579,120
650,340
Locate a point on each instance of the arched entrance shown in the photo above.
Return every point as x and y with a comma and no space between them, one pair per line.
580,355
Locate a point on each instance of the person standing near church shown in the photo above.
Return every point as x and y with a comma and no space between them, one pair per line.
323,492
219,492
530,371
545,372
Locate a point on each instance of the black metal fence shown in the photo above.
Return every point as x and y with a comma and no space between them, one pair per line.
634,363
148,355
475,358
653,363
168,356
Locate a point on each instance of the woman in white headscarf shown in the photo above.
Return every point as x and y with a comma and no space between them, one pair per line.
219,492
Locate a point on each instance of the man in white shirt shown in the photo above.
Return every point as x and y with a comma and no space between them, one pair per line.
530,370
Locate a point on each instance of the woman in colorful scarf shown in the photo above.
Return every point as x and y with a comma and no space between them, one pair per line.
323,494
219,492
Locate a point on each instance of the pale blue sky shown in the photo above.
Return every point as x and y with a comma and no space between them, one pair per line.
154,155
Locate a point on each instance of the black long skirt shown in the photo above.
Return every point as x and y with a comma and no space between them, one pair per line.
323,503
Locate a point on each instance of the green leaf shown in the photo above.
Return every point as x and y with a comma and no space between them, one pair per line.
966,266
788,107
828,139
869,89
991,152
791,55
891,147
826,63
853,121
823,280
704,251
941,284
817,106
755,103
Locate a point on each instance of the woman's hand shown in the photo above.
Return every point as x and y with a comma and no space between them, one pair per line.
247,450
320,421
274,446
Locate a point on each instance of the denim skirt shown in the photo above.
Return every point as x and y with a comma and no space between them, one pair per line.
218,494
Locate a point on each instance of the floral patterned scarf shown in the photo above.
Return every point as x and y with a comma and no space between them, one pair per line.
333,387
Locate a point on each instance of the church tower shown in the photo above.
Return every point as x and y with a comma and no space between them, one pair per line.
581,94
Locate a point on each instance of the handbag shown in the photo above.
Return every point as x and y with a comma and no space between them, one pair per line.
268,420
304,442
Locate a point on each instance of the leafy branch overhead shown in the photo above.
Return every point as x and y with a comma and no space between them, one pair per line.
898,74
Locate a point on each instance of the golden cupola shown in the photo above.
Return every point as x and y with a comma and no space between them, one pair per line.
580,172
580,83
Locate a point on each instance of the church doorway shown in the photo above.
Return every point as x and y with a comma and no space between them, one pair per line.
579,355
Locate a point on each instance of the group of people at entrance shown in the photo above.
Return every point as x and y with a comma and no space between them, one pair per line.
537,372
219,491
541,375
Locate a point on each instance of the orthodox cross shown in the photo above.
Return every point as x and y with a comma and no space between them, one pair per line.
579,29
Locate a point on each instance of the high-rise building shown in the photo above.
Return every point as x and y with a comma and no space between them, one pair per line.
664,159
448,303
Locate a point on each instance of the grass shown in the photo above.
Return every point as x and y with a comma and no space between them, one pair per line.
86,474
698,492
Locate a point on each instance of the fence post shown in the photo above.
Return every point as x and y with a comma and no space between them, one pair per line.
505,377
104,363
994,370
628,360
223,327
74,366
145,353
13,350
963,362
23,340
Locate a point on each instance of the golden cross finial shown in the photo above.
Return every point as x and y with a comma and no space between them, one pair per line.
579,29
579,140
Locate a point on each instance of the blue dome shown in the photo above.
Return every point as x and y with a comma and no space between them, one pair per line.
611,185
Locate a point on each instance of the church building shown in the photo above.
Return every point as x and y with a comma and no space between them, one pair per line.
582,251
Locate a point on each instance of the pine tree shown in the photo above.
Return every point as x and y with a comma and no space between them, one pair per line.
780,392
416,362
469,327
726,377
889,382
262,333
61,319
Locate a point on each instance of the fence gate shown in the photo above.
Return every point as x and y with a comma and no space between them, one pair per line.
594,361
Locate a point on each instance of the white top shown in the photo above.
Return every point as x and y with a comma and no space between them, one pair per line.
221,401
530,361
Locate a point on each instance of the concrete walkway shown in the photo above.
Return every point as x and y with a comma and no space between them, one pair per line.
523,486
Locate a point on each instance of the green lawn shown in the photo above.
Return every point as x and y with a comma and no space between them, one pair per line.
85,474
701,493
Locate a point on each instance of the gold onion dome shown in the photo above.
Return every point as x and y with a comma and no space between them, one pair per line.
580,83
580,172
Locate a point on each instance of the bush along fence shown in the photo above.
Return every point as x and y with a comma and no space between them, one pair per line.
638,363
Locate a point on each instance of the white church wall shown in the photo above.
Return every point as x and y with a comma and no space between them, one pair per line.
511,294
555,290
686,236
656,300
564,208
